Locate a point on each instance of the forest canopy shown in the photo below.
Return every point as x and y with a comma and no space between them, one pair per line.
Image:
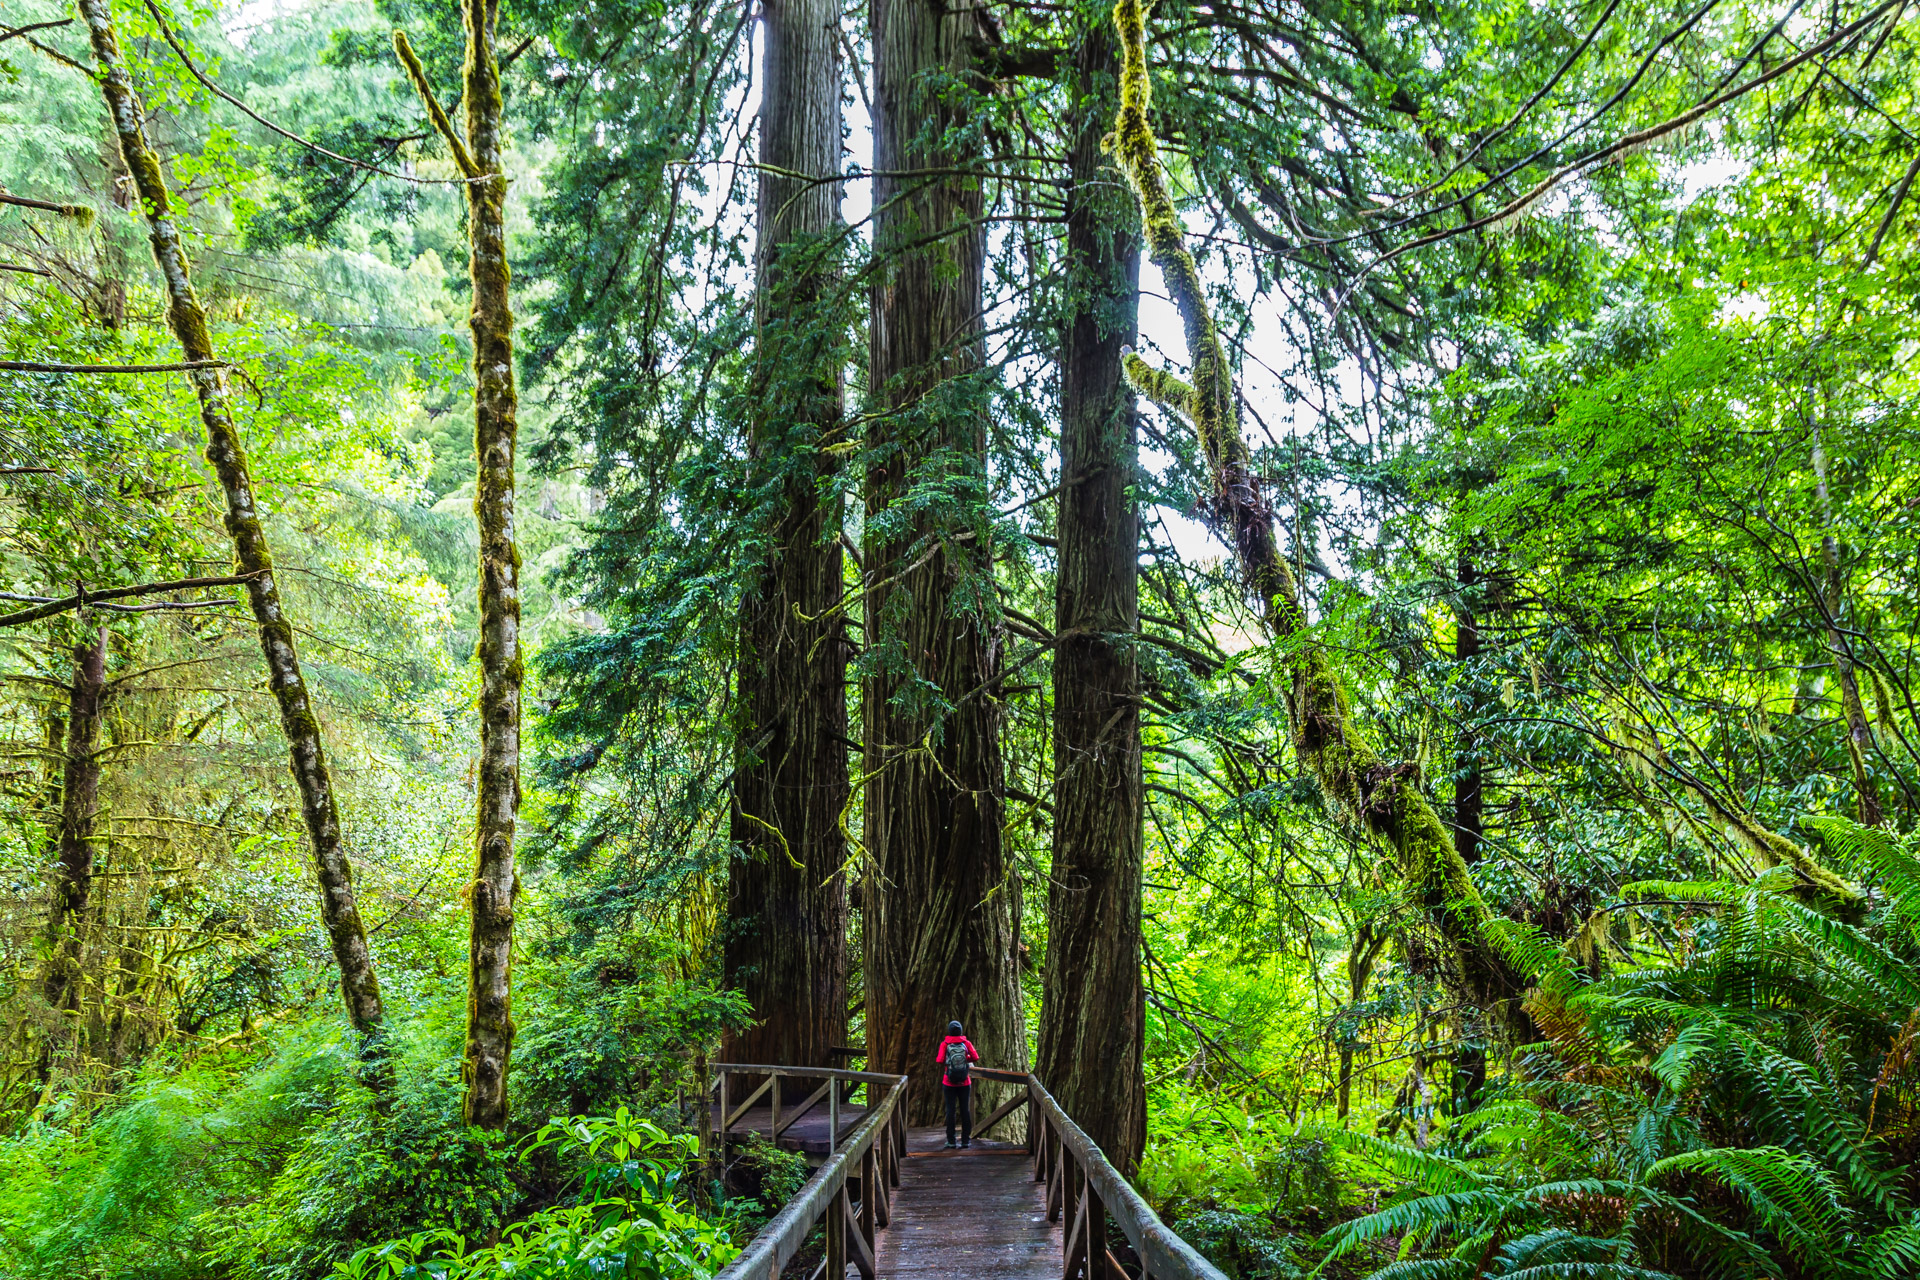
1338,581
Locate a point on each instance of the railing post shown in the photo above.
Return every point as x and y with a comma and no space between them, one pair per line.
833,1118
773,1088
869,1194
837,1235
726,1077
1095,1236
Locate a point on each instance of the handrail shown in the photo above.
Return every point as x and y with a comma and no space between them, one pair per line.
826,1192
1163,1255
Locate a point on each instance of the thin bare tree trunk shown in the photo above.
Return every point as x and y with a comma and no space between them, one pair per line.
1833,602
1092,1036
940,901
786,941
339,910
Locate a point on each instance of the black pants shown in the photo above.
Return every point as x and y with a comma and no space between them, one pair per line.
961,1096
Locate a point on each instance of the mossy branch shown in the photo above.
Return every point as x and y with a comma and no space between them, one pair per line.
80,213
1383,800
441,125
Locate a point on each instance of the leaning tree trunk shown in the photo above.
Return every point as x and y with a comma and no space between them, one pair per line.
940,900
1384,800
79,807
339,909
1092,1037
786,945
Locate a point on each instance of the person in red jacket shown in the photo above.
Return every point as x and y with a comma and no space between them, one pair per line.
955,1056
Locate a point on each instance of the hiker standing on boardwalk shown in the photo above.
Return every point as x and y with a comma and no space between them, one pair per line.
956,1055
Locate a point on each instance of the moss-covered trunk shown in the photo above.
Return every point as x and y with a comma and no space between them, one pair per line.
495,430
1092,1035
940,902
786,940
1384,800
79,807
338,908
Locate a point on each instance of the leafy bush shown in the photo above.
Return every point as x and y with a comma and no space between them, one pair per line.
766,1177
131,1194
631,1222
361,1177
616,1028
1245,1246
1205,1154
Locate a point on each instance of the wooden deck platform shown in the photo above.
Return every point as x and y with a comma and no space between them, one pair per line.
976,1213
807,1135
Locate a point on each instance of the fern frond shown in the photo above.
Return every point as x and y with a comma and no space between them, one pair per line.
1877,856
1427,1170
1893,1255
1797,1199
1425,1269
1459,1211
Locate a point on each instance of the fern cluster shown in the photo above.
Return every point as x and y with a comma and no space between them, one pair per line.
1741,1105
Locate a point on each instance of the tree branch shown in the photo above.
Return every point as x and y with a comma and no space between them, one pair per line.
47,606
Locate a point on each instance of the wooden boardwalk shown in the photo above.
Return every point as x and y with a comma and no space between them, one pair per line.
977,1213
972,1213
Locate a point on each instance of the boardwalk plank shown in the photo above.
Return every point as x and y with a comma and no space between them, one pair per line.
973,1213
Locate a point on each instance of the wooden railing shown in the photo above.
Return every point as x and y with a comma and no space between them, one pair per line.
869,1152
1085,1188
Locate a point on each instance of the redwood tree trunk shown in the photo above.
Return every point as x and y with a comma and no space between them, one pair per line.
940,901
787,893
495,413
79,807
1092,1036
339,909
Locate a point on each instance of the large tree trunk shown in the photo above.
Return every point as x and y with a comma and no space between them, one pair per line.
1092,1035
495,428
940,900
79,806
787,893
338,908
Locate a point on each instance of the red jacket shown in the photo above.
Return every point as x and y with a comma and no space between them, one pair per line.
940,1056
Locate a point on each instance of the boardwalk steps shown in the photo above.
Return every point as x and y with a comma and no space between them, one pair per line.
898,1206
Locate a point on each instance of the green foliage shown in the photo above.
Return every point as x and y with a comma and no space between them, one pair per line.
360,1176
629,1221
619,1025
1746,1103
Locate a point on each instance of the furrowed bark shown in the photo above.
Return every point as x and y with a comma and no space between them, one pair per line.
1381,799
495,414
79,807
939,897
1092,1036
339,910
786,886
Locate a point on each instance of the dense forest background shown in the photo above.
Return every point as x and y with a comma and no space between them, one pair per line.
1434,797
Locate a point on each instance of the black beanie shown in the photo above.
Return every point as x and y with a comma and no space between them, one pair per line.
953,1028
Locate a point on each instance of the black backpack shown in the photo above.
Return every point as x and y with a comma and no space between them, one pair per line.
957,1062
